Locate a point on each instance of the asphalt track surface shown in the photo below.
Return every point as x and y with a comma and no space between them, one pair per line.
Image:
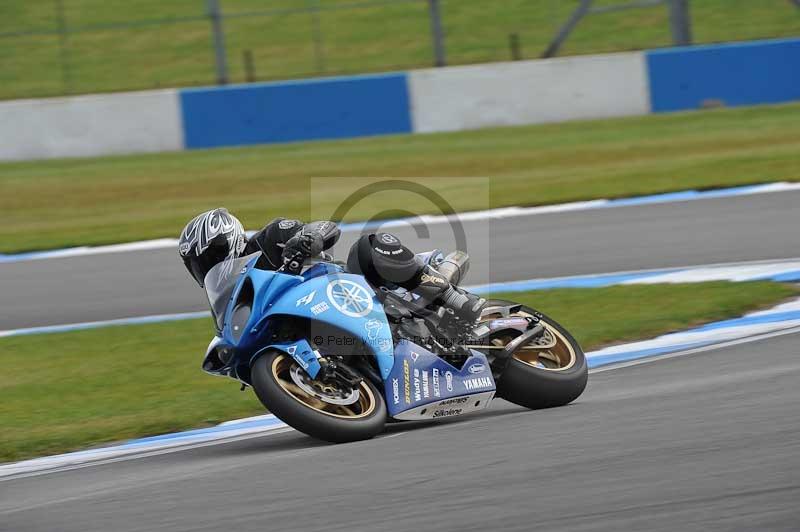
702,442
121,285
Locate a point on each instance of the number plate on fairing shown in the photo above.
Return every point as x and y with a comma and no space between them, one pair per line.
423,386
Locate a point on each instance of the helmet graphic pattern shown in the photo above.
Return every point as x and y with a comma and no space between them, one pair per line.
203,229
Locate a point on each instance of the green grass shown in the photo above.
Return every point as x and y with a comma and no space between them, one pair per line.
58,203
72,390
376,36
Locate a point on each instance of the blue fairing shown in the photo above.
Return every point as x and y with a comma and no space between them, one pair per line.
420,377
302,353
322,294
347,302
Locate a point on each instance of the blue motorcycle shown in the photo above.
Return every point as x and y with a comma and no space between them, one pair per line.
335,359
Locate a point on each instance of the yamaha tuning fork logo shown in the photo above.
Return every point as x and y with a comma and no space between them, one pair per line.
350,298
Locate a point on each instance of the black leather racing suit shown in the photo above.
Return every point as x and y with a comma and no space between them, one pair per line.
287,242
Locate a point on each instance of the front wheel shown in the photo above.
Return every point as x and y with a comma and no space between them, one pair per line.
550,371
330,412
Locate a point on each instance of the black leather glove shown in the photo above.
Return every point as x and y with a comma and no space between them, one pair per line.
308,244
300,247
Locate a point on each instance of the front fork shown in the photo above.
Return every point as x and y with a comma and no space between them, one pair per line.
317,366
301,352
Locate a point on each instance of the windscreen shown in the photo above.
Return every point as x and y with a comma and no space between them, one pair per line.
220,282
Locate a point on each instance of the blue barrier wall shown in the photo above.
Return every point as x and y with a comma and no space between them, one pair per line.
291,111
735,74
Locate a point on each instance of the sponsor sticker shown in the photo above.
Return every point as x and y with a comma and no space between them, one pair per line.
454,401
425,278
477,383
447,412
319,308
448,379
373,327
476,368
406,382
287,224
417,392
435,380
510,323
395,391
292,349
426,391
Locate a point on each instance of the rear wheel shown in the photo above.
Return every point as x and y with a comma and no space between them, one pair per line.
549,371
332,412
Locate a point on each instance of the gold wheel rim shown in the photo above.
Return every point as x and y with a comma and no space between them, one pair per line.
363,407
555,354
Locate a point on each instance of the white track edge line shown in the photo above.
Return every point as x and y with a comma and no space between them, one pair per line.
695,350
145,454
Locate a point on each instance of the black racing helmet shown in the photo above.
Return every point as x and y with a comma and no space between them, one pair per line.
209,239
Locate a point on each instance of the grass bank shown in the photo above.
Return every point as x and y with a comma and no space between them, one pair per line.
72,390
51,204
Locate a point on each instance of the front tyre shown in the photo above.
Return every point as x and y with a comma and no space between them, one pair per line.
549,372
320,410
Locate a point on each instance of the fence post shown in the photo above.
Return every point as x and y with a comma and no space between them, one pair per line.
680,22
249,66
437,33
316,36
215,15
513,44
581,11
66,74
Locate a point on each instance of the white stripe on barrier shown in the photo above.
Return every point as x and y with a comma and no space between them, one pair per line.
91,125
529,92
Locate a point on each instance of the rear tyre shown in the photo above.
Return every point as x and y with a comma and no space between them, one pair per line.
554,375
320,410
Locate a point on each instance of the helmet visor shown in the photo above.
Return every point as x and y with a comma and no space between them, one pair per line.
199,266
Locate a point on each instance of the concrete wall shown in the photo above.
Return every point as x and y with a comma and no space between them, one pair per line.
445,99
84,126
529,92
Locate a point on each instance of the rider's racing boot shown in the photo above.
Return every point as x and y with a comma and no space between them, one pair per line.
434,287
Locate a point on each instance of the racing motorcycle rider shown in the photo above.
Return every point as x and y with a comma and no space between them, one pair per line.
217,235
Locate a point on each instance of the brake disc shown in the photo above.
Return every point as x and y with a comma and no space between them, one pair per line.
329,393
